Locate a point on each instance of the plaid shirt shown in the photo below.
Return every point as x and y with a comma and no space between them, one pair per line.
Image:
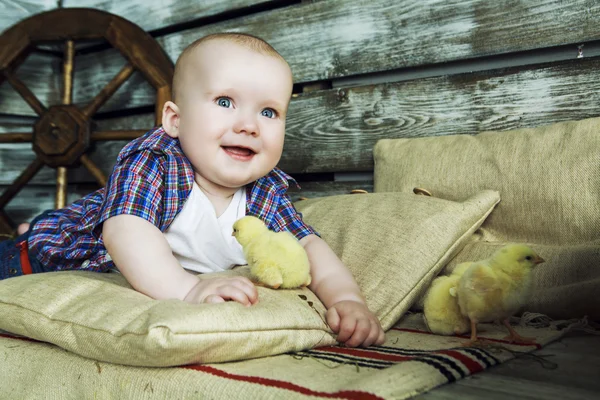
152,179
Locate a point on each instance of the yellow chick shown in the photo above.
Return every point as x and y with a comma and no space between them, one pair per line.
276,259
440,309
496,288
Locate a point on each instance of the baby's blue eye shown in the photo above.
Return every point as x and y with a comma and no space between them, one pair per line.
268,112
224,102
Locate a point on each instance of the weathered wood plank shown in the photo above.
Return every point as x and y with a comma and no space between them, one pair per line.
40,74
313,189
369,36
35,199
13,11
16,124
14,158
335,130
155,15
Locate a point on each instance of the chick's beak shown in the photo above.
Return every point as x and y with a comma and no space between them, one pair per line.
538,260
233,233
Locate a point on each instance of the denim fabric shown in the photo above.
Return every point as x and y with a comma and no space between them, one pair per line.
10,255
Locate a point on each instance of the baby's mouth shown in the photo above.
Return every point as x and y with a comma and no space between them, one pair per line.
239,153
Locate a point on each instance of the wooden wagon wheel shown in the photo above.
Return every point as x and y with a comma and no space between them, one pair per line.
61,136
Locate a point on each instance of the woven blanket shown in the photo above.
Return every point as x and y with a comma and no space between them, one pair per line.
411,361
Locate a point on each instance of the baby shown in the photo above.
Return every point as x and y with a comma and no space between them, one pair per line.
172,198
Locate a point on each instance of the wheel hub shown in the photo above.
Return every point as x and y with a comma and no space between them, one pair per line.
61,135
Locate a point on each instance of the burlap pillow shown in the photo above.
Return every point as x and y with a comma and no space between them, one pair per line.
99,316
547,177
394,245
548,180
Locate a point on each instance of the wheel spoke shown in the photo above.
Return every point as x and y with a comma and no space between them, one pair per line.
21,180
61,187
24,91
67,94
16,137
117,135
108,90
60,200
94,169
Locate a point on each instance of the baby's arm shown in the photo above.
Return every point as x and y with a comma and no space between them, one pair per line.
347,312
142,254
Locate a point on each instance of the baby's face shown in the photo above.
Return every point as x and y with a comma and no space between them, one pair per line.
233,112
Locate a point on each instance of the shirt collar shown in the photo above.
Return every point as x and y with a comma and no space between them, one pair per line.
279,180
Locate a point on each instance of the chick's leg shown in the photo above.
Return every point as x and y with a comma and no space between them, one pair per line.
514,337
474,340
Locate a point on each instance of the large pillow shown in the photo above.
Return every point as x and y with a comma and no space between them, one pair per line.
550,187
393,243
547,177
98,315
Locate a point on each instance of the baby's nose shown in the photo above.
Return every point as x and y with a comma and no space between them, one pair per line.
246,124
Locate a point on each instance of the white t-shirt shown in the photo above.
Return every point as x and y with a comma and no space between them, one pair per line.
202,242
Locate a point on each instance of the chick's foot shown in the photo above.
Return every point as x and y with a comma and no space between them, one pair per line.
514,337
474,341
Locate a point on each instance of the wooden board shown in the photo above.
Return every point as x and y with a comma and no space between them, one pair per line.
34,199
160,14
13,11
40,73
371,36
314,189
335,130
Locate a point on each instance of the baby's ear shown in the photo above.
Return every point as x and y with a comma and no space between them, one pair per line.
170,119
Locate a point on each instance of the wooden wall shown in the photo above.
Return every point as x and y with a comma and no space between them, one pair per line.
364,70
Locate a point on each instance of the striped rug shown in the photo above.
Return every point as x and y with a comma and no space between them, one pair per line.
411,361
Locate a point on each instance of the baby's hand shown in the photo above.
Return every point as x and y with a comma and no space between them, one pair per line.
355,324
219,290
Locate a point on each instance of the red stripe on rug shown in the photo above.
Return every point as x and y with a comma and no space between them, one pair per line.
537,345
344,394
472,365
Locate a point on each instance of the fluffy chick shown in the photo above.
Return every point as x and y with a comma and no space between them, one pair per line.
440,309
276,259
496,288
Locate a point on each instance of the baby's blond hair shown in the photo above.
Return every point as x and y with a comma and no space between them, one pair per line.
250,42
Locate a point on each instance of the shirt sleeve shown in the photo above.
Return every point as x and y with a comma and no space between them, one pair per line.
288,219
135,187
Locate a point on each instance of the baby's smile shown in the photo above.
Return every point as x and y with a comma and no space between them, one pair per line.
239,153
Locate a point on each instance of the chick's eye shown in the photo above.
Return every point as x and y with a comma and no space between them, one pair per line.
269,113
528,258
224,102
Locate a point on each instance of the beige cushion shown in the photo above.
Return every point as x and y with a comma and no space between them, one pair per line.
547,177
548,180
99,316
393,243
